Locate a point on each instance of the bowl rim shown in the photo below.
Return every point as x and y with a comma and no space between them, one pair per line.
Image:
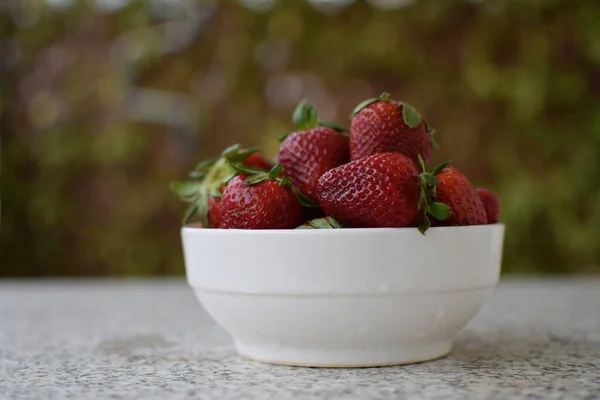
188,228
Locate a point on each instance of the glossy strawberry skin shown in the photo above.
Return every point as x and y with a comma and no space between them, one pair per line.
214,212
265,205
455,190
491,204
381,190
307,155
257,160
380,127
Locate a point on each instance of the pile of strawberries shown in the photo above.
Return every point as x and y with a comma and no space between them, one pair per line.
374,176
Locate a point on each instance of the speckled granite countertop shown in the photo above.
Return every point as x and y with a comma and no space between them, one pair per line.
151,340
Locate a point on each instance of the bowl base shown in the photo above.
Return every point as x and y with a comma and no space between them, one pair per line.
345,358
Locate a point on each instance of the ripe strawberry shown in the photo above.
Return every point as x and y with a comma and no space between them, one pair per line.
381,190
210,176
491,203
259,201
309,153
381,125
214,211
455,190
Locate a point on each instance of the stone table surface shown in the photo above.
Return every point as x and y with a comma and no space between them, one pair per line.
150,339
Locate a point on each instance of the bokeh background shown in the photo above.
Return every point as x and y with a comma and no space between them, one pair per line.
105,101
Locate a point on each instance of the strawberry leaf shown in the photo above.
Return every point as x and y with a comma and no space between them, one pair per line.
283,137
242,169
231,151
196,174
240,155
275,172
441,167
199,207
334,223
254,179
286,181
427,193
185,189
216,193
439,210
411,117
333,125
305,116
424,224
434,142
305,201
206,164
362,105
321,223
229,178
429,178
189,213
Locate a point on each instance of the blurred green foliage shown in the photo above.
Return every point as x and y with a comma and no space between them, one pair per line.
102,107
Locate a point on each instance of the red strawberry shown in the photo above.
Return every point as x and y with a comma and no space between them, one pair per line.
381,190
210,176
260,201
491,203
455,190
309,153
381,125
306,155
214,211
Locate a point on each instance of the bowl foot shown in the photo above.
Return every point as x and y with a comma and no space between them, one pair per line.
347,358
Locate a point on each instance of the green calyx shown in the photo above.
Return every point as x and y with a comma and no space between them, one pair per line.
306,116
411,117
209,176
431,133
255,176
427,193
383,97
322,223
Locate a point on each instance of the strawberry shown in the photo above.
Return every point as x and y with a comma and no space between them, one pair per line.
455,190
381,125
310,152
491,203
259,200
203,192
381,190
214,211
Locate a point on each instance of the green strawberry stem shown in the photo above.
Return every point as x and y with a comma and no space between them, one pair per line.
306,116
427,193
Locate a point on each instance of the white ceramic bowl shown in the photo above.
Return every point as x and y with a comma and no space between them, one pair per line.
343,297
